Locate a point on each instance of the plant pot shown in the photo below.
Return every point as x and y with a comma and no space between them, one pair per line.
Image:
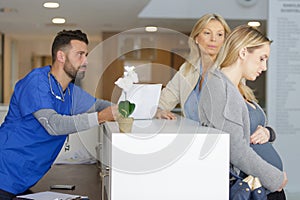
125,124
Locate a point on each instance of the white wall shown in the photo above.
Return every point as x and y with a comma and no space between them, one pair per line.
3,111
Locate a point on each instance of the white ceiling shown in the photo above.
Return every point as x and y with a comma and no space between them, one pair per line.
28,17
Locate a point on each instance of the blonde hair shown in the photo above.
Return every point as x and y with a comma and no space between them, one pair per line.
195,52
243,36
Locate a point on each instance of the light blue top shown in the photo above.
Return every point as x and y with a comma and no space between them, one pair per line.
27,151
191,106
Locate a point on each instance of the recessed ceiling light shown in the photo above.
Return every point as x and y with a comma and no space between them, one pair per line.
254,24
247,3
151,28
58,20
51,5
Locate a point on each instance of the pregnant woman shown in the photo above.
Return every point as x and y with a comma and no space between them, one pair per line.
228,104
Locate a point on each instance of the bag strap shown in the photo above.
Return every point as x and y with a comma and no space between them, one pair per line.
232,173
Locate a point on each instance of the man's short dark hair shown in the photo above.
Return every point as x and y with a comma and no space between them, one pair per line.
63,39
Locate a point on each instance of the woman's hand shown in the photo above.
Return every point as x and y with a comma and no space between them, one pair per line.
164,114
285,181
260,136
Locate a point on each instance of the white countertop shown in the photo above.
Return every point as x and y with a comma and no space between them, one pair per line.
180,125
167,159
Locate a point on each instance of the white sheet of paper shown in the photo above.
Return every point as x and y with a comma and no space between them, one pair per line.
146,99
48,195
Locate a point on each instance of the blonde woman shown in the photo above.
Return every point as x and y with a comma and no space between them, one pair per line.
229,105
206,39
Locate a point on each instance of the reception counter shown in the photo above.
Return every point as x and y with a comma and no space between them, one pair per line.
164,159
158,160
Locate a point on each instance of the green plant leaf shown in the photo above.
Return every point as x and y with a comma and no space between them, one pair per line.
126,108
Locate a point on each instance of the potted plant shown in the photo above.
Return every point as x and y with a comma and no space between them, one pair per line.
126,107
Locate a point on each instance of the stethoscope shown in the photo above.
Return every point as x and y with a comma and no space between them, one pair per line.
62,95
61,98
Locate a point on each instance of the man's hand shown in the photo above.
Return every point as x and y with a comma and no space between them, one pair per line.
108,114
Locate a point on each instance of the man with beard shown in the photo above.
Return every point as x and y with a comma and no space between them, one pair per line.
45,107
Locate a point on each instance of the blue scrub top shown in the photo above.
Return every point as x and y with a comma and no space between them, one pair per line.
27,151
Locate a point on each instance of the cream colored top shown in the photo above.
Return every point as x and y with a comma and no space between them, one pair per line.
179,88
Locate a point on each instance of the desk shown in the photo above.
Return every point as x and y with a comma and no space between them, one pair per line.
178,179
84,177
164,159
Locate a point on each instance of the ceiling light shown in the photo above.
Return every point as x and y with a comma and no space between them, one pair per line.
58,20
51,5
247,3
254,24
151,28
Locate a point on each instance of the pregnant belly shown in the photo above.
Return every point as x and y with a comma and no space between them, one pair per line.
268,153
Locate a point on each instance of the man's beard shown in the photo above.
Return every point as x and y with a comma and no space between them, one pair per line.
80,74
72,72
